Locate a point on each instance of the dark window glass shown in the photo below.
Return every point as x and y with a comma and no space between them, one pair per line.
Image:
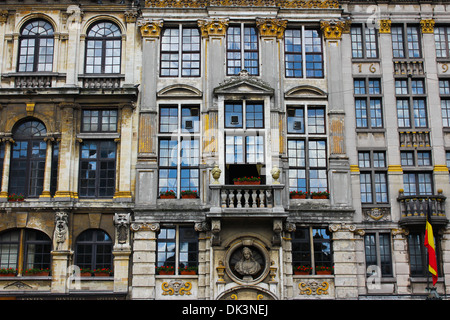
97,168
36,47
99,121
93,250
103,48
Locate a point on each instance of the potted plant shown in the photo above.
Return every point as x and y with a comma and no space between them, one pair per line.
324,270
38,272
298,194
165,270
85,272
15,197
189,194
187,270
168,194
320,194
8,272
303,270
247,180
102,272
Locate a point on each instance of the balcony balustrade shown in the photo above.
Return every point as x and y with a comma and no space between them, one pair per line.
414,208
415,138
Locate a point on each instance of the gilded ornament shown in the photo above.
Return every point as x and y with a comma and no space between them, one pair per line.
176,288
271,27
313,288
291,4
384,26
427,25
332,30
213,27
151,29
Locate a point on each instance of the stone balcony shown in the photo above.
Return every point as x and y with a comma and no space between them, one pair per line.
414,208
251,200
415,139
406,67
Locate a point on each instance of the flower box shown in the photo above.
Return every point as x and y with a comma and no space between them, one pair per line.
247,182
167,197
320,197
303,273
323,272
166,273
85,274
189,196
188,272
7,274
36,272
298,196
165,270
102,274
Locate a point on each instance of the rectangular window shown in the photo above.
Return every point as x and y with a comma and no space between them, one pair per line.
364,42
99,121
441,39
250,148
368,106
180,52
247,112
311,247
373,177
307,148
444,91
418,254
177,247
179,149
417,183
303,53
405,41
411,103
378,254
97,168
242,50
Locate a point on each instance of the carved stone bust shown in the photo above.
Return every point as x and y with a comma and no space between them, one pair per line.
247,266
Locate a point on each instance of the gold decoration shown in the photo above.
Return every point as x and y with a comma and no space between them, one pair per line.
213,27
313,288
3,16
271,27
30,108
291,4
151,29
384,26
332,29
427,25
176,287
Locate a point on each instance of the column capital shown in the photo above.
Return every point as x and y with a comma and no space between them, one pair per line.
150,28
333,29
271,27
427,25
384,26
213,27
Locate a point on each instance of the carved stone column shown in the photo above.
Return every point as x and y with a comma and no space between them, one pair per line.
48,168
121,251
339,166
6,167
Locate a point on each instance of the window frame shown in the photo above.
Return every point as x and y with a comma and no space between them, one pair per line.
444,94
180,135
406,52
417,243
304,53
368,97
94,243
307,137
446,41
411,98
372,170
98,160
363,42
177,242
242,50
36,47
377,256
103,40
310,249
180,52
100,118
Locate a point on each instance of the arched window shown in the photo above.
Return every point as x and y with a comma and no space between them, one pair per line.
28,159
103,48
93,250
33,247
36,47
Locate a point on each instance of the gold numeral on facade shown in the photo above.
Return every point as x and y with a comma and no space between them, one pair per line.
444,67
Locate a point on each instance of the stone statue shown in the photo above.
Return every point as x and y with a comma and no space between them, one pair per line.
61,229
122,222
247,266
216,174
275,174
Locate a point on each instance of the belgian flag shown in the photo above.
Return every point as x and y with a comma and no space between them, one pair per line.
429,244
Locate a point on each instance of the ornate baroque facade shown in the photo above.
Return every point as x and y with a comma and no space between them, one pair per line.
175,135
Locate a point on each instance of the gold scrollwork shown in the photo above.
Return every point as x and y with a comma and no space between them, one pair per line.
177,288
313,288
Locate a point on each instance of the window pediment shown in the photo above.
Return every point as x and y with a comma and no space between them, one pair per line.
244,84
179,90
305,91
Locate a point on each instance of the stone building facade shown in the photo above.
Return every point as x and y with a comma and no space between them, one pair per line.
129,127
